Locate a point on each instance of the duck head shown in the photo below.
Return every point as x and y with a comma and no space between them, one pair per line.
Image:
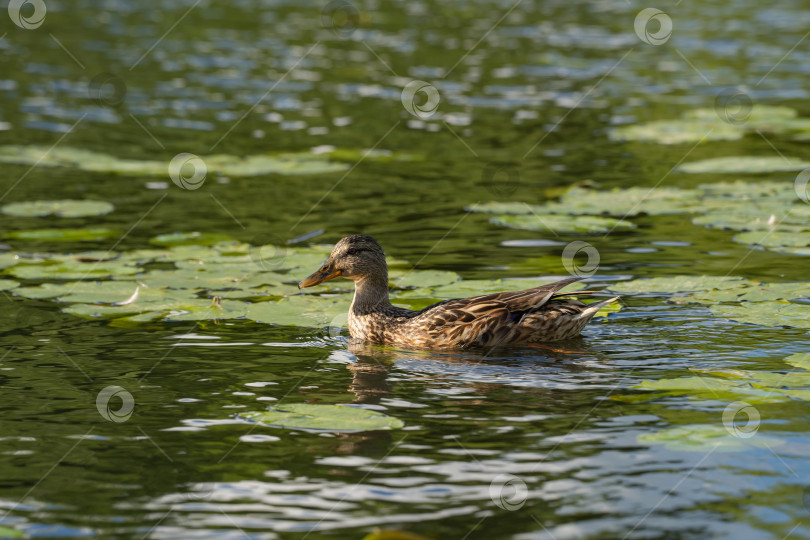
357,257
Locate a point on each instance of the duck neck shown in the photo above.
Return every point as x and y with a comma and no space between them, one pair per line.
370,294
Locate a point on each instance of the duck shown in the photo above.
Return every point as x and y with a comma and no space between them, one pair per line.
537,315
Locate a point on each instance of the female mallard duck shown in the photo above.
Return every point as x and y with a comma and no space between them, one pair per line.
506,318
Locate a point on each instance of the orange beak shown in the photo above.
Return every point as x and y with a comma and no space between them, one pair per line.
324,274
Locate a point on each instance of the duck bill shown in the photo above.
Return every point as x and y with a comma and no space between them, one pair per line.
324,274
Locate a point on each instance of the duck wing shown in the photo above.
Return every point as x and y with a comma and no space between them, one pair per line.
484,320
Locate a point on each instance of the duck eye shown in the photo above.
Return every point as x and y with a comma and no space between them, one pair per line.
352,251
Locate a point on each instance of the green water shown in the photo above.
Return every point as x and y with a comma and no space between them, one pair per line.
527,89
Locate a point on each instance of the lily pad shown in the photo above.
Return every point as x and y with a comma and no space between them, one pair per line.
92,234
625,202
718,388
679,131
740,190
195,238
706,437
676,284
475,287
289,163
8,284
6,532
753,220
560,223
67,269
765,379
766,313
799,360
61,208
301,310
706,125
735,384
753,386
166,309
353,155
794,239
8,259
752,291
744,165
771,207
516,208
757,113
423,278
337,418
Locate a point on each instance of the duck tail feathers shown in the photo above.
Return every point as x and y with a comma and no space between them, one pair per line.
591,310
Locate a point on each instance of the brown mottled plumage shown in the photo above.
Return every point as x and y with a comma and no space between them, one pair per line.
506,318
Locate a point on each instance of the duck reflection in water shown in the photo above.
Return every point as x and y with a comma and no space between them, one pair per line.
374,362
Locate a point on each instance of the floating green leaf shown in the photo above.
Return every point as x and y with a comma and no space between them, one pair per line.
166,309
706,125
7,284
336,418
752,386
715,388
764,207
625,202
758,113
289,163
353,155
560,223
8,259
736,384
423,278
744,165
751,291
799,360
516,208
62,208
794,239
67,269
677,132
6,532
302,310
92,234
195,238
706,437
675,284
476,287
766,313
765,379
